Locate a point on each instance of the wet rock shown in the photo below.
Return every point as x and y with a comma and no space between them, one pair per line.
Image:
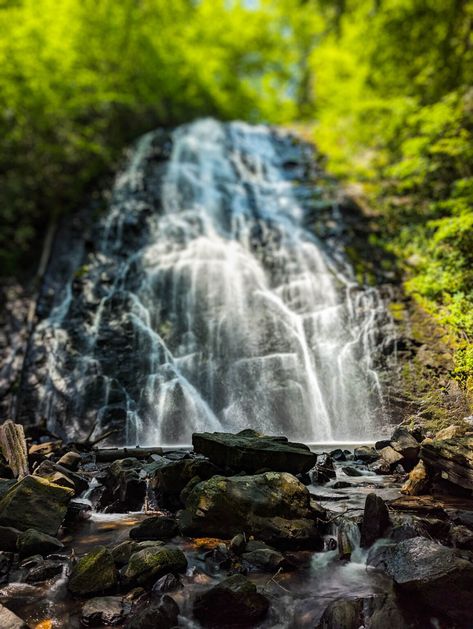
341,484
6,560
348,535
323,471
168,583
407,445
452,457
351,471
159,613
375,520
10,620
78,510
367,454
462,537
266,559
235,602
33,542
170,480
71,460
338,455
125,486
158,527
122,552
418,482
238,544
249,451
34,502
432,574
8,538
93,573
274,507
373,612
45,570
151,563
105,610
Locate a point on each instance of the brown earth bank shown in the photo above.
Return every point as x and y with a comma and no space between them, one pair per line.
208,538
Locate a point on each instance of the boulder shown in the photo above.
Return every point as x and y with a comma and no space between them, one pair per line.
93,573
389,456
418,481
367,454
158,527
172,478
235,602
453,458
375,520
122,552
44,570
33,542
149,564
34,502
323,471
168,583
352,471
125,486
158,613
338,455
249,451
71,460
265,559
10,620
274,507
105,610
372,612
432,574
407,445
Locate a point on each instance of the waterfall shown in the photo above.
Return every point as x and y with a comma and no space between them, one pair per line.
208,303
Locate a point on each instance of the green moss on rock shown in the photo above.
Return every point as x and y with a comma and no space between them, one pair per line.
93,573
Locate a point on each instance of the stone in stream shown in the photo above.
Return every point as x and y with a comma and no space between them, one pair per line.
439,577
235,602
266,559
9,620
34,502
105,610
167,583
93,573
351,471
151,563
45,569
33,542
171,479
273,507
157,613
373,612
390,457
155,528
323,471
122,552
250,451
375,520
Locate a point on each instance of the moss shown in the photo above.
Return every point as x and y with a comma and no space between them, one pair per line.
94,572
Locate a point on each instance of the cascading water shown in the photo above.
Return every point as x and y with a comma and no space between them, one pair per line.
207,303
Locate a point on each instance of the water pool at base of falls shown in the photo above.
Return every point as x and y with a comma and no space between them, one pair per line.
206,301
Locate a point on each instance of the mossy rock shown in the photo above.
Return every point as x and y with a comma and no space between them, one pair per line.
33,542
151,563
93,573
34,502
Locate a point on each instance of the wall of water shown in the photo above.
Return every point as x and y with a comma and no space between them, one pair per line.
207,303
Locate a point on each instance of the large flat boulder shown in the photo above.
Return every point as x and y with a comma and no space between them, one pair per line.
250,452
274,507
439,577
33,502
452,457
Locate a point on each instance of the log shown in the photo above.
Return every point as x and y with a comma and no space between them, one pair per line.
13,445
107,455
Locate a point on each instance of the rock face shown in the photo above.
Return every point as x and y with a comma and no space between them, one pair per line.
434,574
34,502
375,520
234,602
93,573
452,457
250,452
151,563
274,507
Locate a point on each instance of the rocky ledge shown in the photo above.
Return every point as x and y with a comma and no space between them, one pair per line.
226,535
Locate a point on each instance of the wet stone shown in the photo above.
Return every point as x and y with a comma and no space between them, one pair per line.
106,610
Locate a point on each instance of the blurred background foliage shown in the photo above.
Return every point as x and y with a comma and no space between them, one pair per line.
382,86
